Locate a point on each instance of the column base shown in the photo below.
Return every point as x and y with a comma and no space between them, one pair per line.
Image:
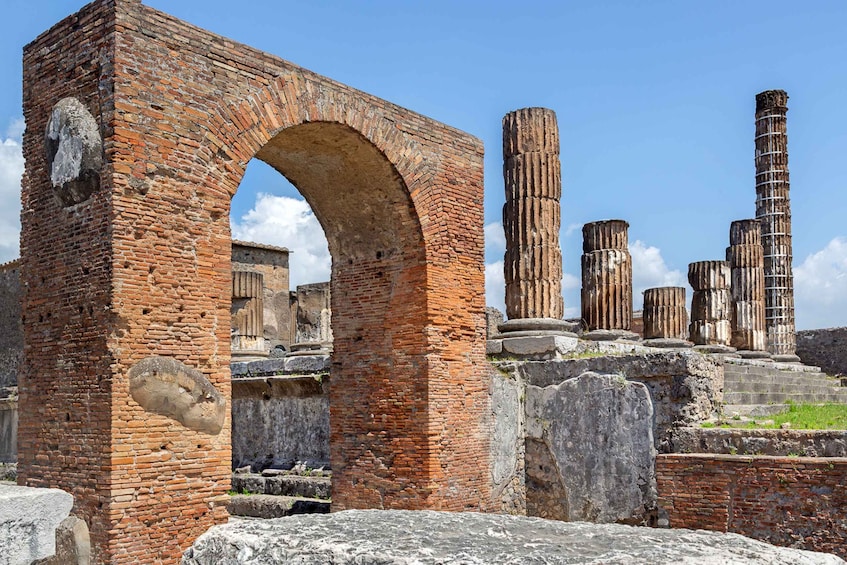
532,327
747,354
786,358
611,335
667,343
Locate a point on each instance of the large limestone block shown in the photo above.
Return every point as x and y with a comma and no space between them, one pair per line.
590,441
28,521
403,537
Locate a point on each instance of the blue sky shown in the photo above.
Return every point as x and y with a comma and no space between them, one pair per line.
655,103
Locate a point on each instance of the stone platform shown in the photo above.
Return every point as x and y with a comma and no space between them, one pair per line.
400,537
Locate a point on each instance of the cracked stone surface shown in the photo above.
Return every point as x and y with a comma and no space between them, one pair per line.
401,537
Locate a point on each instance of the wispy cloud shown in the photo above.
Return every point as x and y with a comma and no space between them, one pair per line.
11,170
288,222
820,287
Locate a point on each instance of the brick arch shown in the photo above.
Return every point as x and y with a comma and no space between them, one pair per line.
135,280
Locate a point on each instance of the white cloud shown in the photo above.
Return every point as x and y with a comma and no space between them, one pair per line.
11,170
820,287
649,270
288,222
572,228
495,239
495,286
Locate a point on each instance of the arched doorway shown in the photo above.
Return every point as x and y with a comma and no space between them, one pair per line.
128,282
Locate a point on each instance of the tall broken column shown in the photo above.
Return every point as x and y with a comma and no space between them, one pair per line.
606,276
710,303
531,219
773,209
745,256
532,214
665,317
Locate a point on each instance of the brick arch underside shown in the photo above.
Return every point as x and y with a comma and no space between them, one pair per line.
379,390
358,172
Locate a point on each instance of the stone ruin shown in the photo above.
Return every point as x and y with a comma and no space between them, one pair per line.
128,286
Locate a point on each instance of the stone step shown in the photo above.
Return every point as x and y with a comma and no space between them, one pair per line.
269,506
792,378
302,486
782,398
754,409
758,386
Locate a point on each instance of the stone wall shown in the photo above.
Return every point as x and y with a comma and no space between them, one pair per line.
313,313
8,425
686,388
792,501
11,331
272,263
280,412
825,348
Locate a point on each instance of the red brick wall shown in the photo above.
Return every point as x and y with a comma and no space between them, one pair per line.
143,268
791,501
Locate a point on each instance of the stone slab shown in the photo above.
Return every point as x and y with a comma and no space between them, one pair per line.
539,346
402,537
28,521
594,434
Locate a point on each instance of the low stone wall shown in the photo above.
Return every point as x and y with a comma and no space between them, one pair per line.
790,501
729,441
825,348
280,412
686,387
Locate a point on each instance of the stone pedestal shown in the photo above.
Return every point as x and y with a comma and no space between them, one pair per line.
745,256
532,214
710,303
773,209
606,276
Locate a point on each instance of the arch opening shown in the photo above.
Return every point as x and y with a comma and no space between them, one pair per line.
378,305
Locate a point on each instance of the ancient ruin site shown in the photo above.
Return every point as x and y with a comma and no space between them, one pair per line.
170,393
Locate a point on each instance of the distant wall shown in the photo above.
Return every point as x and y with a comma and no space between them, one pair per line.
11,332
826,348
789,501
272,263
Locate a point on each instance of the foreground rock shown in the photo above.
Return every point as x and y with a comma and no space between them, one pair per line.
388,537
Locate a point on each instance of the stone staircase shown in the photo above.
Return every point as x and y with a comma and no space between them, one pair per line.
759,388
275,493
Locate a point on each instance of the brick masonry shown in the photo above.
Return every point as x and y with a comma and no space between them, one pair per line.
142,268
790,501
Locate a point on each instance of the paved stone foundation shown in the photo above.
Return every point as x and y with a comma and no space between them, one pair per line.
430,538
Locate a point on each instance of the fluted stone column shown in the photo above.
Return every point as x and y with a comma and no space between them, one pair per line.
532,214
665,317
773,209
710,304
532,265
745,256
606,277
247,312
